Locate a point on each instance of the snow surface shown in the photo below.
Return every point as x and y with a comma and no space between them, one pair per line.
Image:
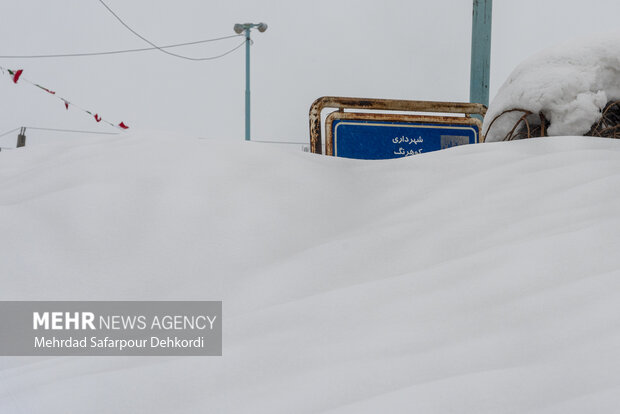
479,279
569,83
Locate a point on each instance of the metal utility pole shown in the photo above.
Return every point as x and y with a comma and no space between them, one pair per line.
480,52
246,27
248,42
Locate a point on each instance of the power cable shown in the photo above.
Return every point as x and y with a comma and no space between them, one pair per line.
8,132
55,130
280,142
72,130
114,52
157,47
60,130
225,53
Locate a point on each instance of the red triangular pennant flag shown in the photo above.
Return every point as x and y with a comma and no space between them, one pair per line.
45,89
66,104
97,118
16,75
122,125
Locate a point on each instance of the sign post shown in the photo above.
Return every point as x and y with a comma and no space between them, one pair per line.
480,52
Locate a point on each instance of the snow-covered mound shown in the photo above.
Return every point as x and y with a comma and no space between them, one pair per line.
479,279
570,84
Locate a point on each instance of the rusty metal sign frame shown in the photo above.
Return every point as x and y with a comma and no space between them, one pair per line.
342,103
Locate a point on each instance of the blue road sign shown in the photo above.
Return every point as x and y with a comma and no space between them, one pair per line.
376,140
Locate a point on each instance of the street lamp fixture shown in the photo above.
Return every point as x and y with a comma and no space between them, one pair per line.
247,27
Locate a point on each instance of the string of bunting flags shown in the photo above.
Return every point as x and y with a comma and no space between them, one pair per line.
16,76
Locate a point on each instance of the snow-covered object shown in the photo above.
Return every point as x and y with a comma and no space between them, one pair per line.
482,279
570,84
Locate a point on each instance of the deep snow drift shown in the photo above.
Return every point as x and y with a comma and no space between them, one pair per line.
479,279
569,83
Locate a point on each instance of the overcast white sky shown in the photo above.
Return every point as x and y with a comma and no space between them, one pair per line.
405,49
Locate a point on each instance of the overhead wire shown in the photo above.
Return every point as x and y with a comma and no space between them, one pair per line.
59,130
114,52
160,48
225,53
54,130
72,130
8,132
280,142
